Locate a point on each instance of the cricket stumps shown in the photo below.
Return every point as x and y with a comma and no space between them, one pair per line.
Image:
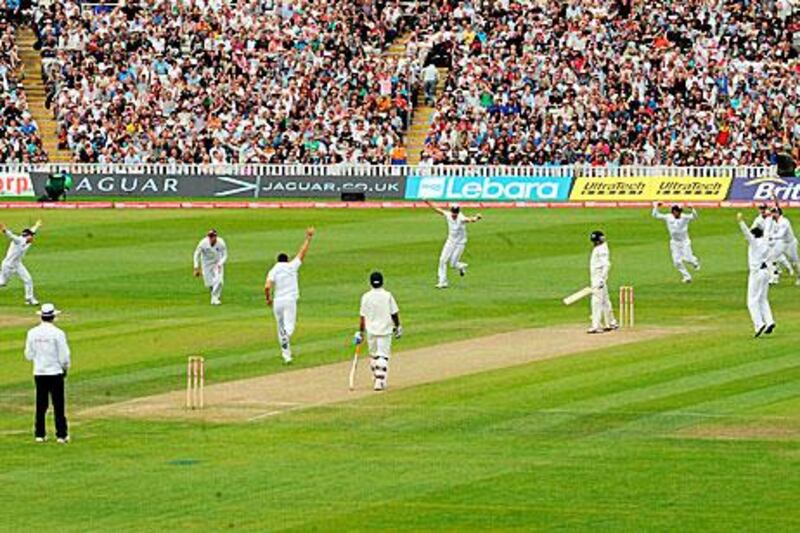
626,306
195,382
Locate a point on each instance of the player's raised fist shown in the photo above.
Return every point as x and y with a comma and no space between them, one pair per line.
310,232
739,217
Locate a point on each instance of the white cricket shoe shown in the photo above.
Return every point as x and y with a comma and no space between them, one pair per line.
463,270
696,265
687,280
594,331
442,285
64,440
216,301
32,301
41,439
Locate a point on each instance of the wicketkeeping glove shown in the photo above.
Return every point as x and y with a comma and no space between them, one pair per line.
358,338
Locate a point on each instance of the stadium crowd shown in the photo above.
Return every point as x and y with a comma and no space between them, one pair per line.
19,134
596,82
213,81
695,82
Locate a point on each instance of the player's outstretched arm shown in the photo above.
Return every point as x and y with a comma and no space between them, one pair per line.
36,226
743,227
474,219
438,210
301,253
656,213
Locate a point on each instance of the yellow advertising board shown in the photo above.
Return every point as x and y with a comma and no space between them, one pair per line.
651,189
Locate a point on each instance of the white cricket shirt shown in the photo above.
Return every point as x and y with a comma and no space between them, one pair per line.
377,308
283,277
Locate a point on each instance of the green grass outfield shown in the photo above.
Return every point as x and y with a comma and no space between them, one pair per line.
602,440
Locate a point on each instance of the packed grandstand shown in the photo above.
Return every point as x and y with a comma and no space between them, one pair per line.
528,82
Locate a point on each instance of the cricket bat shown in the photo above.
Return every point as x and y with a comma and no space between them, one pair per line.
353,367
572,298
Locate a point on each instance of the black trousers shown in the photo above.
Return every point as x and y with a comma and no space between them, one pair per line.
50,388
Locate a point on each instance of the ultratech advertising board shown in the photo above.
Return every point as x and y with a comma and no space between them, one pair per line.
650,188
494,188
226,186
762,189
16,184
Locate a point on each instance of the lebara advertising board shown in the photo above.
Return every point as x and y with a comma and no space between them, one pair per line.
493,188
650,188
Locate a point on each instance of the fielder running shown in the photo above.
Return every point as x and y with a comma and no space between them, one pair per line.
758,259
380,318
211,254
456,241
784,245
679,242
599,266
281,292
12,264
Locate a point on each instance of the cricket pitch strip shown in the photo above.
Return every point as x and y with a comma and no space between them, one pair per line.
259,398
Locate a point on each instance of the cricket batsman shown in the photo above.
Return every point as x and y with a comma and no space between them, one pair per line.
456,242
599,266
281,291
679,242
209,258
12,264
759,254
380,319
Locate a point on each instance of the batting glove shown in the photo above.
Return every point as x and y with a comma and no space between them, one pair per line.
358,338
398,332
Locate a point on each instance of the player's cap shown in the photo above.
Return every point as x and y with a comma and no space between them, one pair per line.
597,237
676,207
776,209
763,207
27,232
48,311
212,233
455,208
376,279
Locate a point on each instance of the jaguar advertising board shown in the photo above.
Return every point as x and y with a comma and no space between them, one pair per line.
226,186
491,188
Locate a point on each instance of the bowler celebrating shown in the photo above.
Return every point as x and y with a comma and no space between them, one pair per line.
679,242
599,266
12,264
281,292
758,259
783,243
456,241
211,254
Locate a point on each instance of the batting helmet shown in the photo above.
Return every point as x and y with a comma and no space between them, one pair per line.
597,237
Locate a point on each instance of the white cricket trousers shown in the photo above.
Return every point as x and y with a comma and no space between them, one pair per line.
451,255
285,311
602,310
214,278
758,298
380,350
785,253
7,271
682,253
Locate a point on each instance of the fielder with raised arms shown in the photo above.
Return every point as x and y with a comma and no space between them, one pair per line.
679,242
599,267
12,264
456,242
784,244
759,254
211,254
281,291
380,319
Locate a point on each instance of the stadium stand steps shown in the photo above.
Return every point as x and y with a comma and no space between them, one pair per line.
423,115
37,95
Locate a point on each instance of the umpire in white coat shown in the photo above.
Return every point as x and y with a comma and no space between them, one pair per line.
46,346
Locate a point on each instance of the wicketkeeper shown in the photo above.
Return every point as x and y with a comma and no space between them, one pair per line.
380,319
